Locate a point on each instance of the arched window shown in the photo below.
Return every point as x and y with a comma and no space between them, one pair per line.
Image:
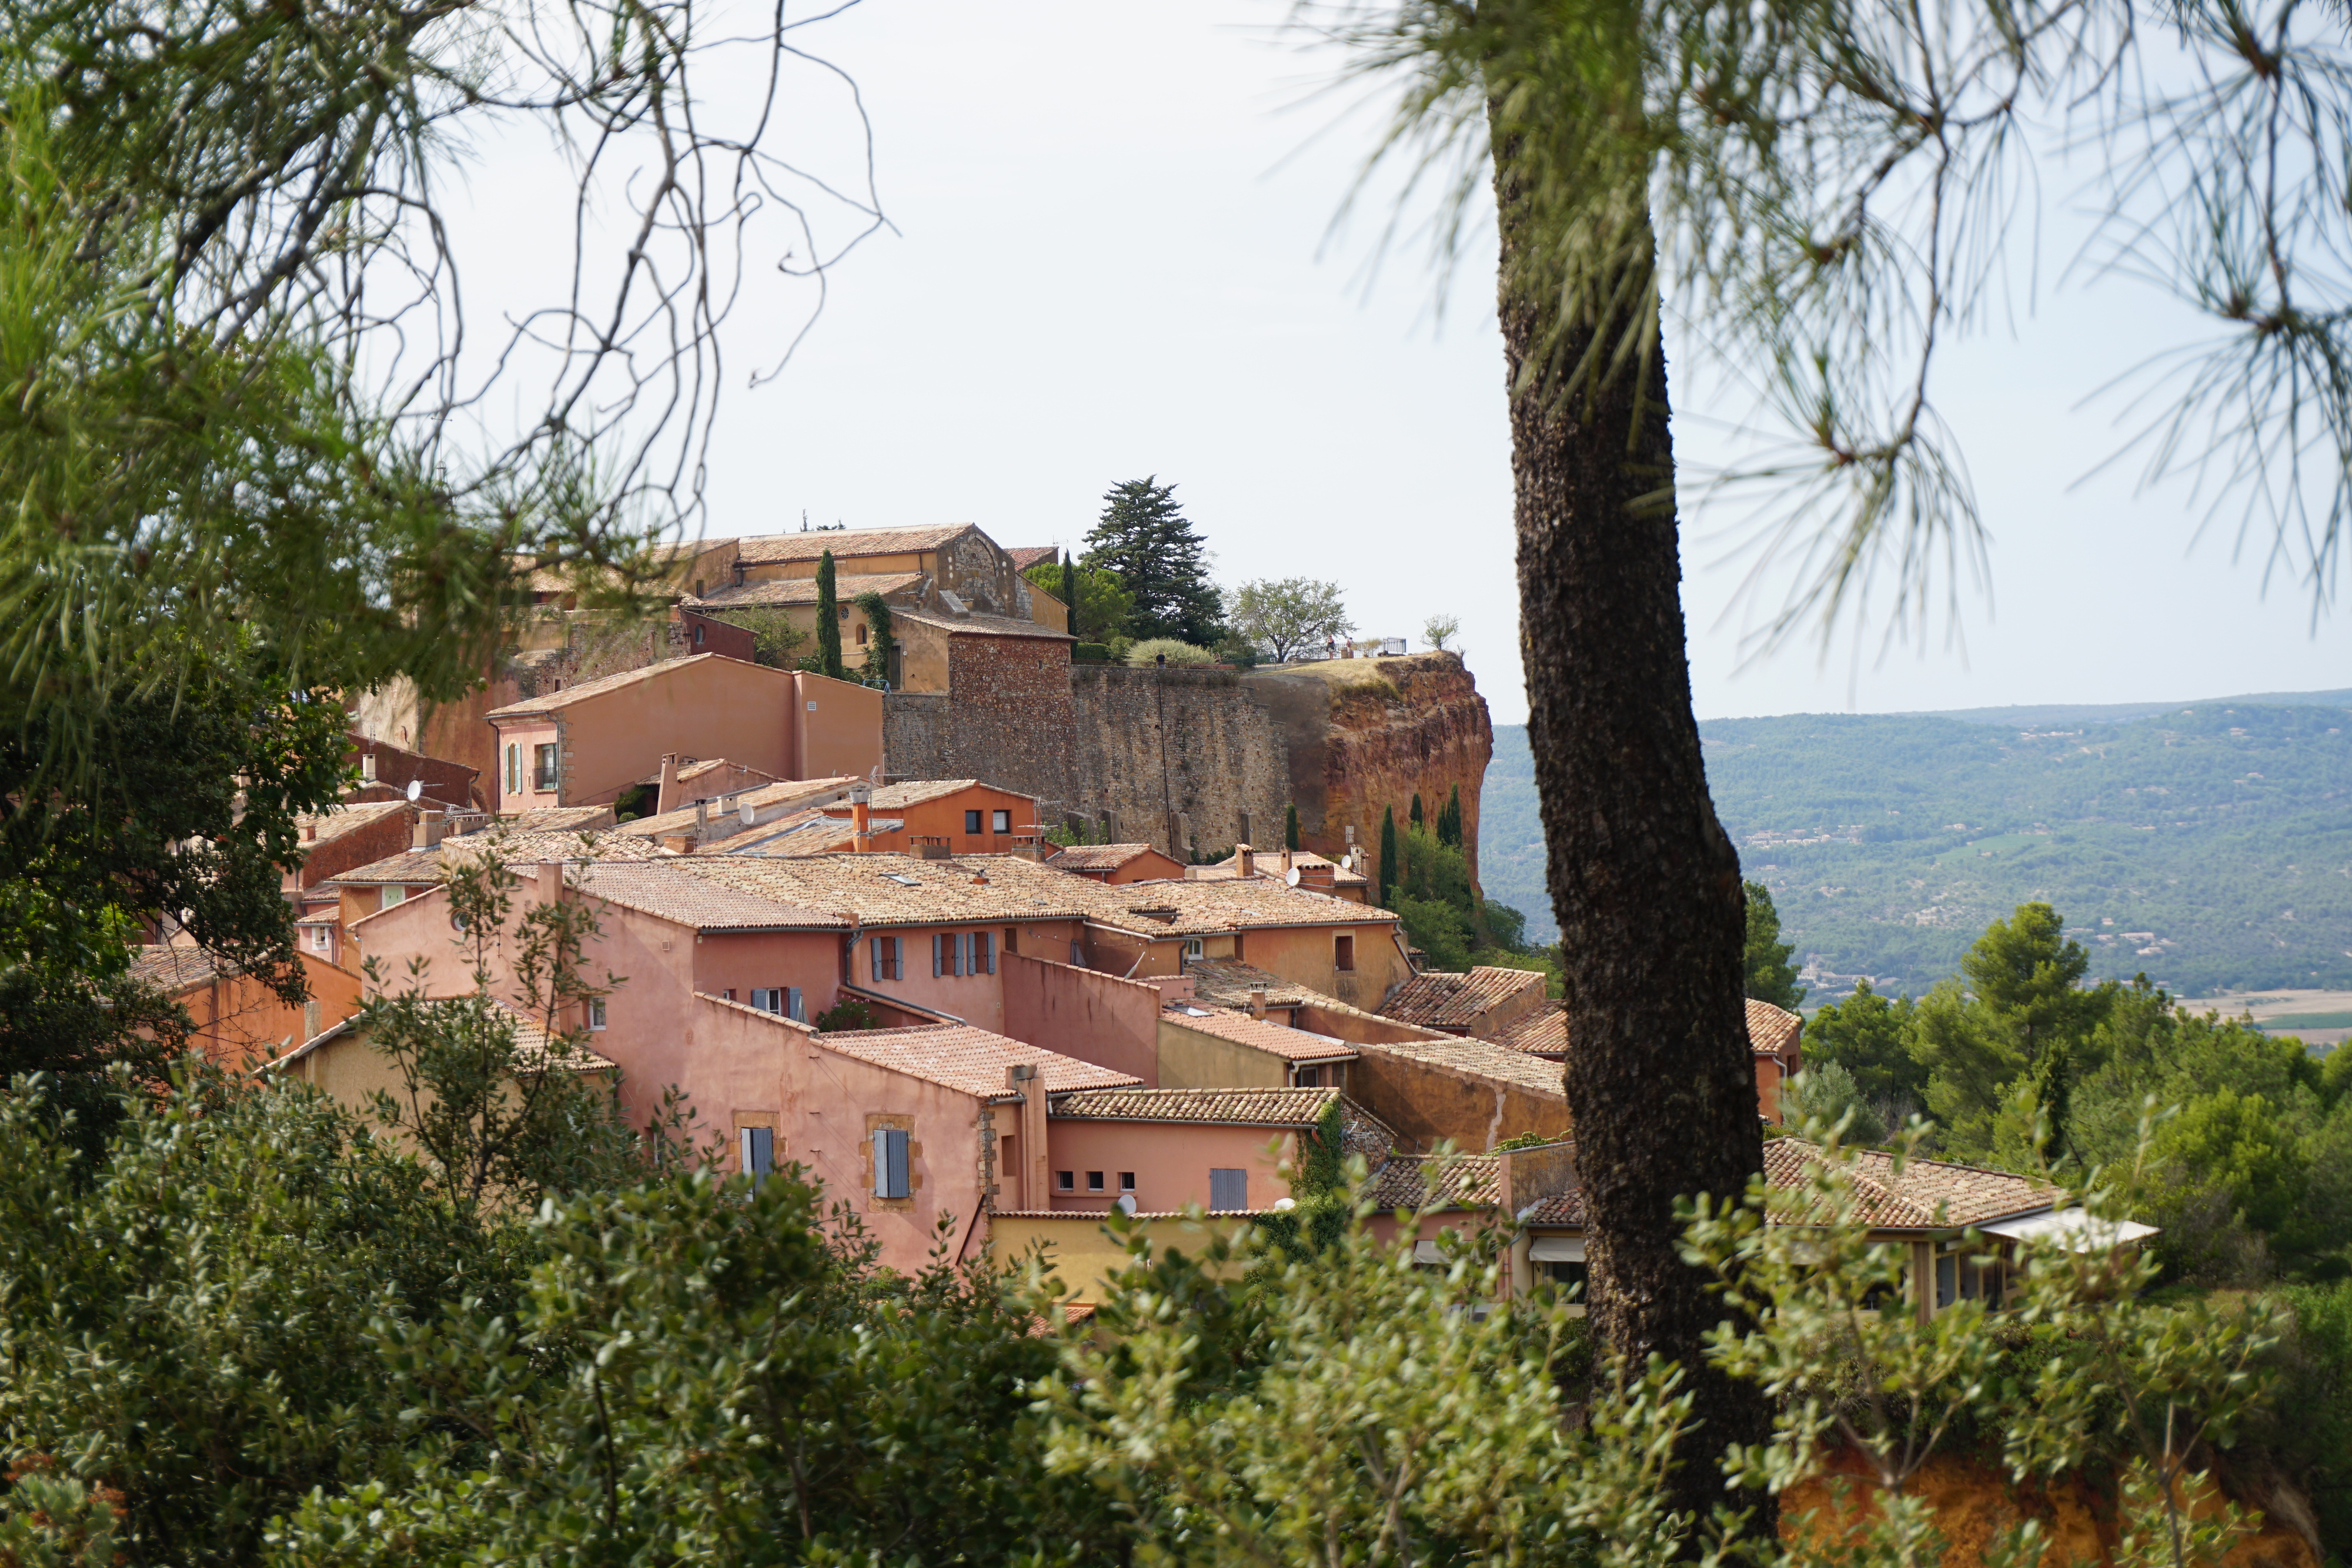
861,636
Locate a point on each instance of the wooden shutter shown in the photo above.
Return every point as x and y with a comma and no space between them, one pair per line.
873,952
1228,1190
890,1162
983,944
938,959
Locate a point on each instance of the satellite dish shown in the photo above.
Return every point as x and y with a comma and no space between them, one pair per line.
749,812
415,788
1291,876
1127,1203
1285,1205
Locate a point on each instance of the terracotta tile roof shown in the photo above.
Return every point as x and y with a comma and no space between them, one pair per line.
1771,1030
979,625
1097,857
1206,906
777,801
1430,1181
1258,1034
1221,1107
658,889
1479,1058
336,821
417,866
847,544
972,1060
1543,1032
1361,1132
802,589
1927,1195
810,833
1441,1000
902,890
559,818
1227,982
175,968
1972,1196
606,684
1269,863
916,791
1026,556
694,770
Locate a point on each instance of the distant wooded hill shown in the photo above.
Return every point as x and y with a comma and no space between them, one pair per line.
2208,845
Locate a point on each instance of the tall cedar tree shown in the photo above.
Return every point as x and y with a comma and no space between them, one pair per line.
1416,817
1145,537
1644,879
828,622
1290,825
1771,977
1449,820
1388,866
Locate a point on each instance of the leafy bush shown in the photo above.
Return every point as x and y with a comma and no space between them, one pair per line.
1089,653
2311,1431
1151,650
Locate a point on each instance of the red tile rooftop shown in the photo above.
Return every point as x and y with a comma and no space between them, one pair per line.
1258,1034
1441,1000
973,1061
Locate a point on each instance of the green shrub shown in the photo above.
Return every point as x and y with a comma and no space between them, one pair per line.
1149,649
2311,1430
1090,654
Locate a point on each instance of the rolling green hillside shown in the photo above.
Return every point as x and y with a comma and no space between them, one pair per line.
2210,847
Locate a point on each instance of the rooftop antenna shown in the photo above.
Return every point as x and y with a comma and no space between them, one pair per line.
803,519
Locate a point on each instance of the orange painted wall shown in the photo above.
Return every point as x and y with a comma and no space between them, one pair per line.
529,735
837,728
1084,1013
240,1022
1171,1162
1305,956
945,817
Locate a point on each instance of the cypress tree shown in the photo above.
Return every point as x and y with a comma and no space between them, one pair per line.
1290,825
1416,818
1449,820
1388,855
1070,590
828,622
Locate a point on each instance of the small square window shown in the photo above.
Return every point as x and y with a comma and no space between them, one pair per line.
972,821
595,1012
1127,1181
1094,1181
1065,1181
543,777
1001,821
1343,953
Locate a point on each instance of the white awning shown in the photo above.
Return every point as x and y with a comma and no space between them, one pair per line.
2070,1228
1426,1252
1557,1249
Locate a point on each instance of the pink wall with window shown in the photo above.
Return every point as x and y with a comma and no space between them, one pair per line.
1171,1162
515,787
970,986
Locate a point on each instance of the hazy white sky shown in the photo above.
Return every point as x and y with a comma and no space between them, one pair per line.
1111,259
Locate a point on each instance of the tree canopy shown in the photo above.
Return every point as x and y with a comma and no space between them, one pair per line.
1286,616
1161,560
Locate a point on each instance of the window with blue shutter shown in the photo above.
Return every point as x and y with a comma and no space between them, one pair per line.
890,1162
758,1147
983,950
794,1008
939,947
1228,1190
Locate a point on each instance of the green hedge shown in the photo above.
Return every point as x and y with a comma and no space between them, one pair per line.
1089,653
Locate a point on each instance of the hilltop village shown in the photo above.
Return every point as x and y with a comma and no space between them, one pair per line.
965,1005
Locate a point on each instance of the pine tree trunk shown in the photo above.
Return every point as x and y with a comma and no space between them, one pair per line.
1644,881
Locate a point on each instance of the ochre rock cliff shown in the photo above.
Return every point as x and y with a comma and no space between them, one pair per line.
1975,1503
1367,734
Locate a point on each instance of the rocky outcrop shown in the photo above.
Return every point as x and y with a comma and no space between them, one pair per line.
1368,734
1976,1503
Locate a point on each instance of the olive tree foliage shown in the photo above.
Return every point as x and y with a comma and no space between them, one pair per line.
1287,615
1840,189
1250,1404
248,398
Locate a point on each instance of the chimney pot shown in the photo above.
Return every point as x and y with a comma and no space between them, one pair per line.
1257,1001
1244,860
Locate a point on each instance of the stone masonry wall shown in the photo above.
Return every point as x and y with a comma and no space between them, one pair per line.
1164,751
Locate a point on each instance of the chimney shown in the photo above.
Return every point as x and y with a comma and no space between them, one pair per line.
1244,861
1023,1080
677,843
309,830
861,818
701,822
367,767
1257,1001
665,792
427,833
